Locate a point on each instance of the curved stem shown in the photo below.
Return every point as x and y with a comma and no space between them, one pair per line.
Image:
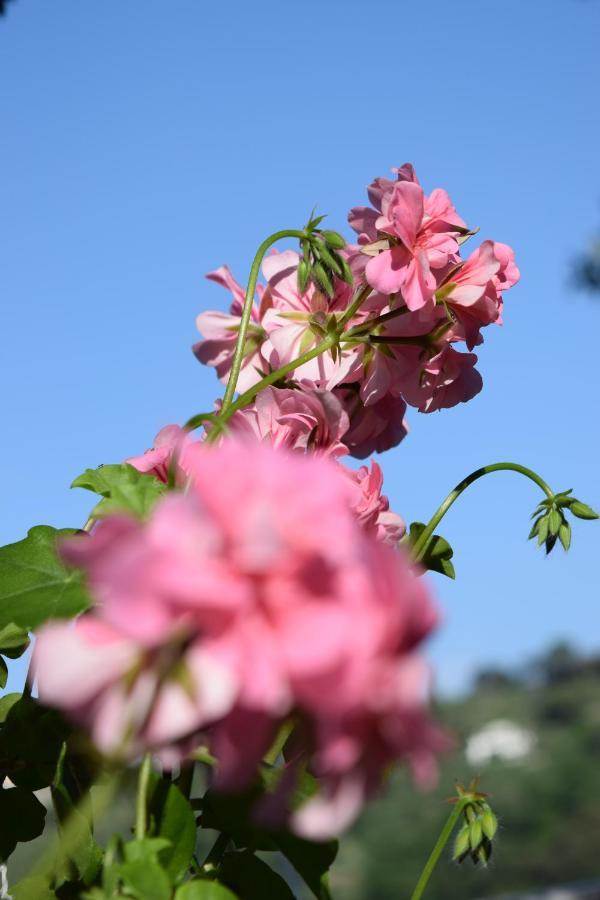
240,346
421,543
142,798
249,395
441,842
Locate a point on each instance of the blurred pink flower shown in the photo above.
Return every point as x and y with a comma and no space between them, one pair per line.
257,594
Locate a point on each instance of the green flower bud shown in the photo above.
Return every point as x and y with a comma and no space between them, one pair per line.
323,279
333,239
303,275
582,510
554,521
475,834
461,843
489,823
564,533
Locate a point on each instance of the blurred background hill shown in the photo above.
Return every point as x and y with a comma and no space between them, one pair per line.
546,792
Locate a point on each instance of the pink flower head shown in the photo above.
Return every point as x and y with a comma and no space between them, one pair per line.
444,380
473,291
220,332
373,428
305,419
254,595
130,699
297,322
418,235
157,461
371,507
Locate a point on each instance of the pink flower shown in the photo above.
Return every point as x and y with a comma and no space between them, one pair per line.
442,381
371,507
306,419
298,322
220,331
473,291
254,595
170,439
423,232
130,699
373,428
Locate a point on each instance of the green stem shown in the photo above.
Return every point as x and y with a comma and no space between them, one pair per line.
141,804
240,346
421,543
186,779
441,842
246,398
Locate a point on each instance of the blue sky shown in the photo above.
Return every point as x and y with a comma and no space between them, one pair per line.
145,143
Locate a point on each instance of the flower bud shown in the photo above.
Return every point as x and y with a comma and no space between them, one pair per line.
333,240
582,510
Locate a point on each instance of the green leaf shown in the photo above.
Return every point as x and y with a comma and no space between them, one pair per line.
35,585
31,740
146,879
172,818
14,641
6,704
252,878
3,673
124,489
148,848
34,888
310,859
206,890
22,817
582,510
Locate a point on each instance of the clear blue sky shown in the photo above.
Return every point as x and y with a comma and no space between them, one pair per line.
144,143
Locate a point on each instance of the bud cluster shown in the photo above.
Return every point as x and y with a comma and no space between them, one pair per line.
551,522
321,263
475,838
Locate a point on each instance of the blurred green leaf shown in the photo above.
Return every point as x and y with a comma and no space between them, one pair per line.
22,818
252,878
206,890
172,818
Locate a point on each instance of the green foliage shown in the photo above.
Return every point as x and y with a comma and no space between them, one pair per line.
206,890
172,818
252,878
234,815
123,489
35,585
22,817
31,741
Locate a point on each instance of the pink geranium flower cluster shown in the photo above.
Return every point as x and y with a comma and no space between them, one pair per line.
421,301
245,601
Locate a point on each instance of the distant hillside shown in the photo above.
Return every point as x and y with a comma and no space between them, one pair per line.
548,802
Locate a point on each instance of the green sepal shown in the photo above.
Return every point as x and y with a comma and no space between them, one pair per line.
437,554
